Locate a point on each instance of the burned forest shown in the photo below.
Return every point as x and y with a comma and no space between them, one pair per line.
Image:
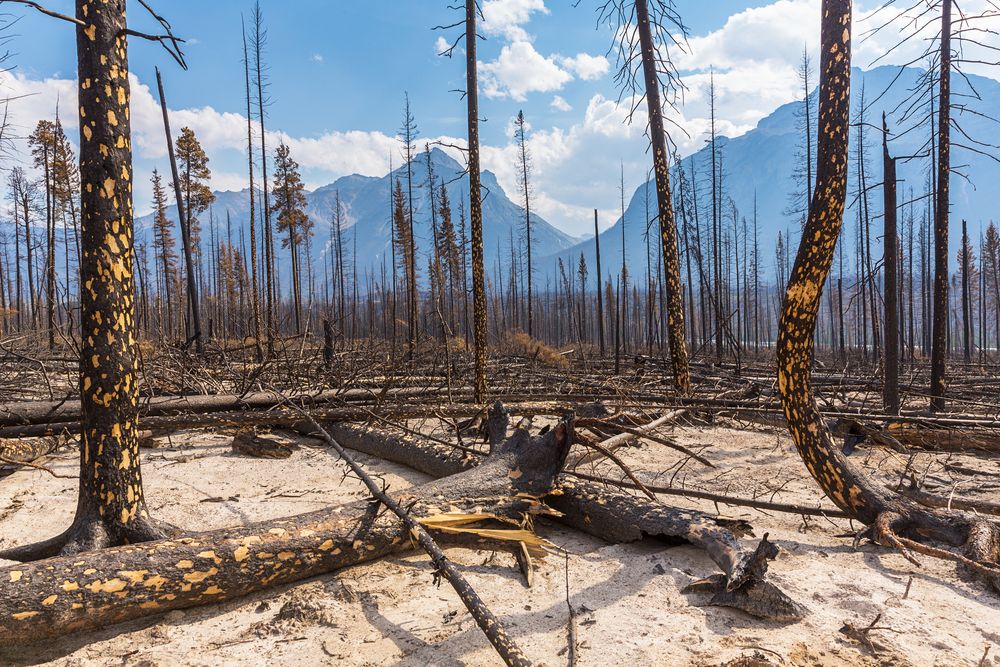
622,332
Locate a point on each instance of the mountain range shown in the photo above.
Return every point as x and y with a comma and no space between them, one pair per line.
758,169
366,206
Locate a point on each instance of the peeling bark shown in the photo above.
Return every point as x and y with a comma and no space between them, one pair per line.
26,451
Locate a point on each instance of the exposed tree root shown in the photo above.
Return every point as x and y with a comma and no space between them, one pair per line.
89,534
908,529
67,593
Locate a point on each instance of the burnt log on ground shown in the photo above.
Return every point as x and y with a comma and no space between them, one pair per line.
609,514
27,450
44,412
168,423
493,501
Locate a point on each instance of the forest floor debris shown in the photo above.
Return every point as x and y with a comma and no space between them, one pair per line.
627,599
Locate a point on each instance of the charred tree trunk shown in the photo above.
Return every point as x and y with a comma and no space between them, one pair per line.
939,335
50,254
254,280
966,296
668,225
890,390
475,203
185,223
600,297
892,520
111,508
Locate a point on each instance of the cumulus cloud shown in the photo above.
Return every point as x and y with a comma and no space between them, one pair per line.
752,57
755,55
221,133
519,70
507,17
586,66
317,58
559,104
343,153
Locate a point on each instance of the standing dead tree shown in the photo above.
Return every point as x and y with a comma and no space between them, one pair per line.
475,201
890,391
956,37
258,39
524,166
408,135
479,315
254,280
892,520
939,336
642,33
111,508
184,220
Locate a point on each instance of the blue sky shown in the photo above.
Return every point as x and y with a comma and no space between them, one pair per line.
338,71
338,64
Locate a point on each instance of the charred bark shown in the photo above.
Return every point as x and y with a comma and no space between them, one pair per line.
111,508
668,224
939,324
890,390
475,202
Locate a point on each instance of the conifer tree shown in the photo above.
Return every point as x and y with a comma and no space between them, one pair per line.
164,247
289,205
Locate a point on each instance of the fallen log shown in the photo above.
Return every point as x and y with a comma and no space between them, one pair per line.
68,410
801,510
491,626
269,416
26,451
609,514
75,593
947,440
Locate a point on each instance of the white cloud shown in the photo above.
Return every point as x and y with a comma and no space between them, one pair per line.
506,17
559,104
441,45
586,66
342,153
756,53
317,58
222,134
519,70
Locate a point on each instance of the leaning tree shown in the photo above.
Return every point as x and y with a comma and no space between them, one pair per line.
642,30
892,520
111,508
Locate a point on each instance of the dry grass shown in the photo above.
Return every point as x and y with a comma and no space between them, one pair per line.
459,344
522,345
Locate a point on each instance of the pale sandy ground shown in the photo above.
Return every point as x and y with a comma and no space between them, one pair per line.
627,598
